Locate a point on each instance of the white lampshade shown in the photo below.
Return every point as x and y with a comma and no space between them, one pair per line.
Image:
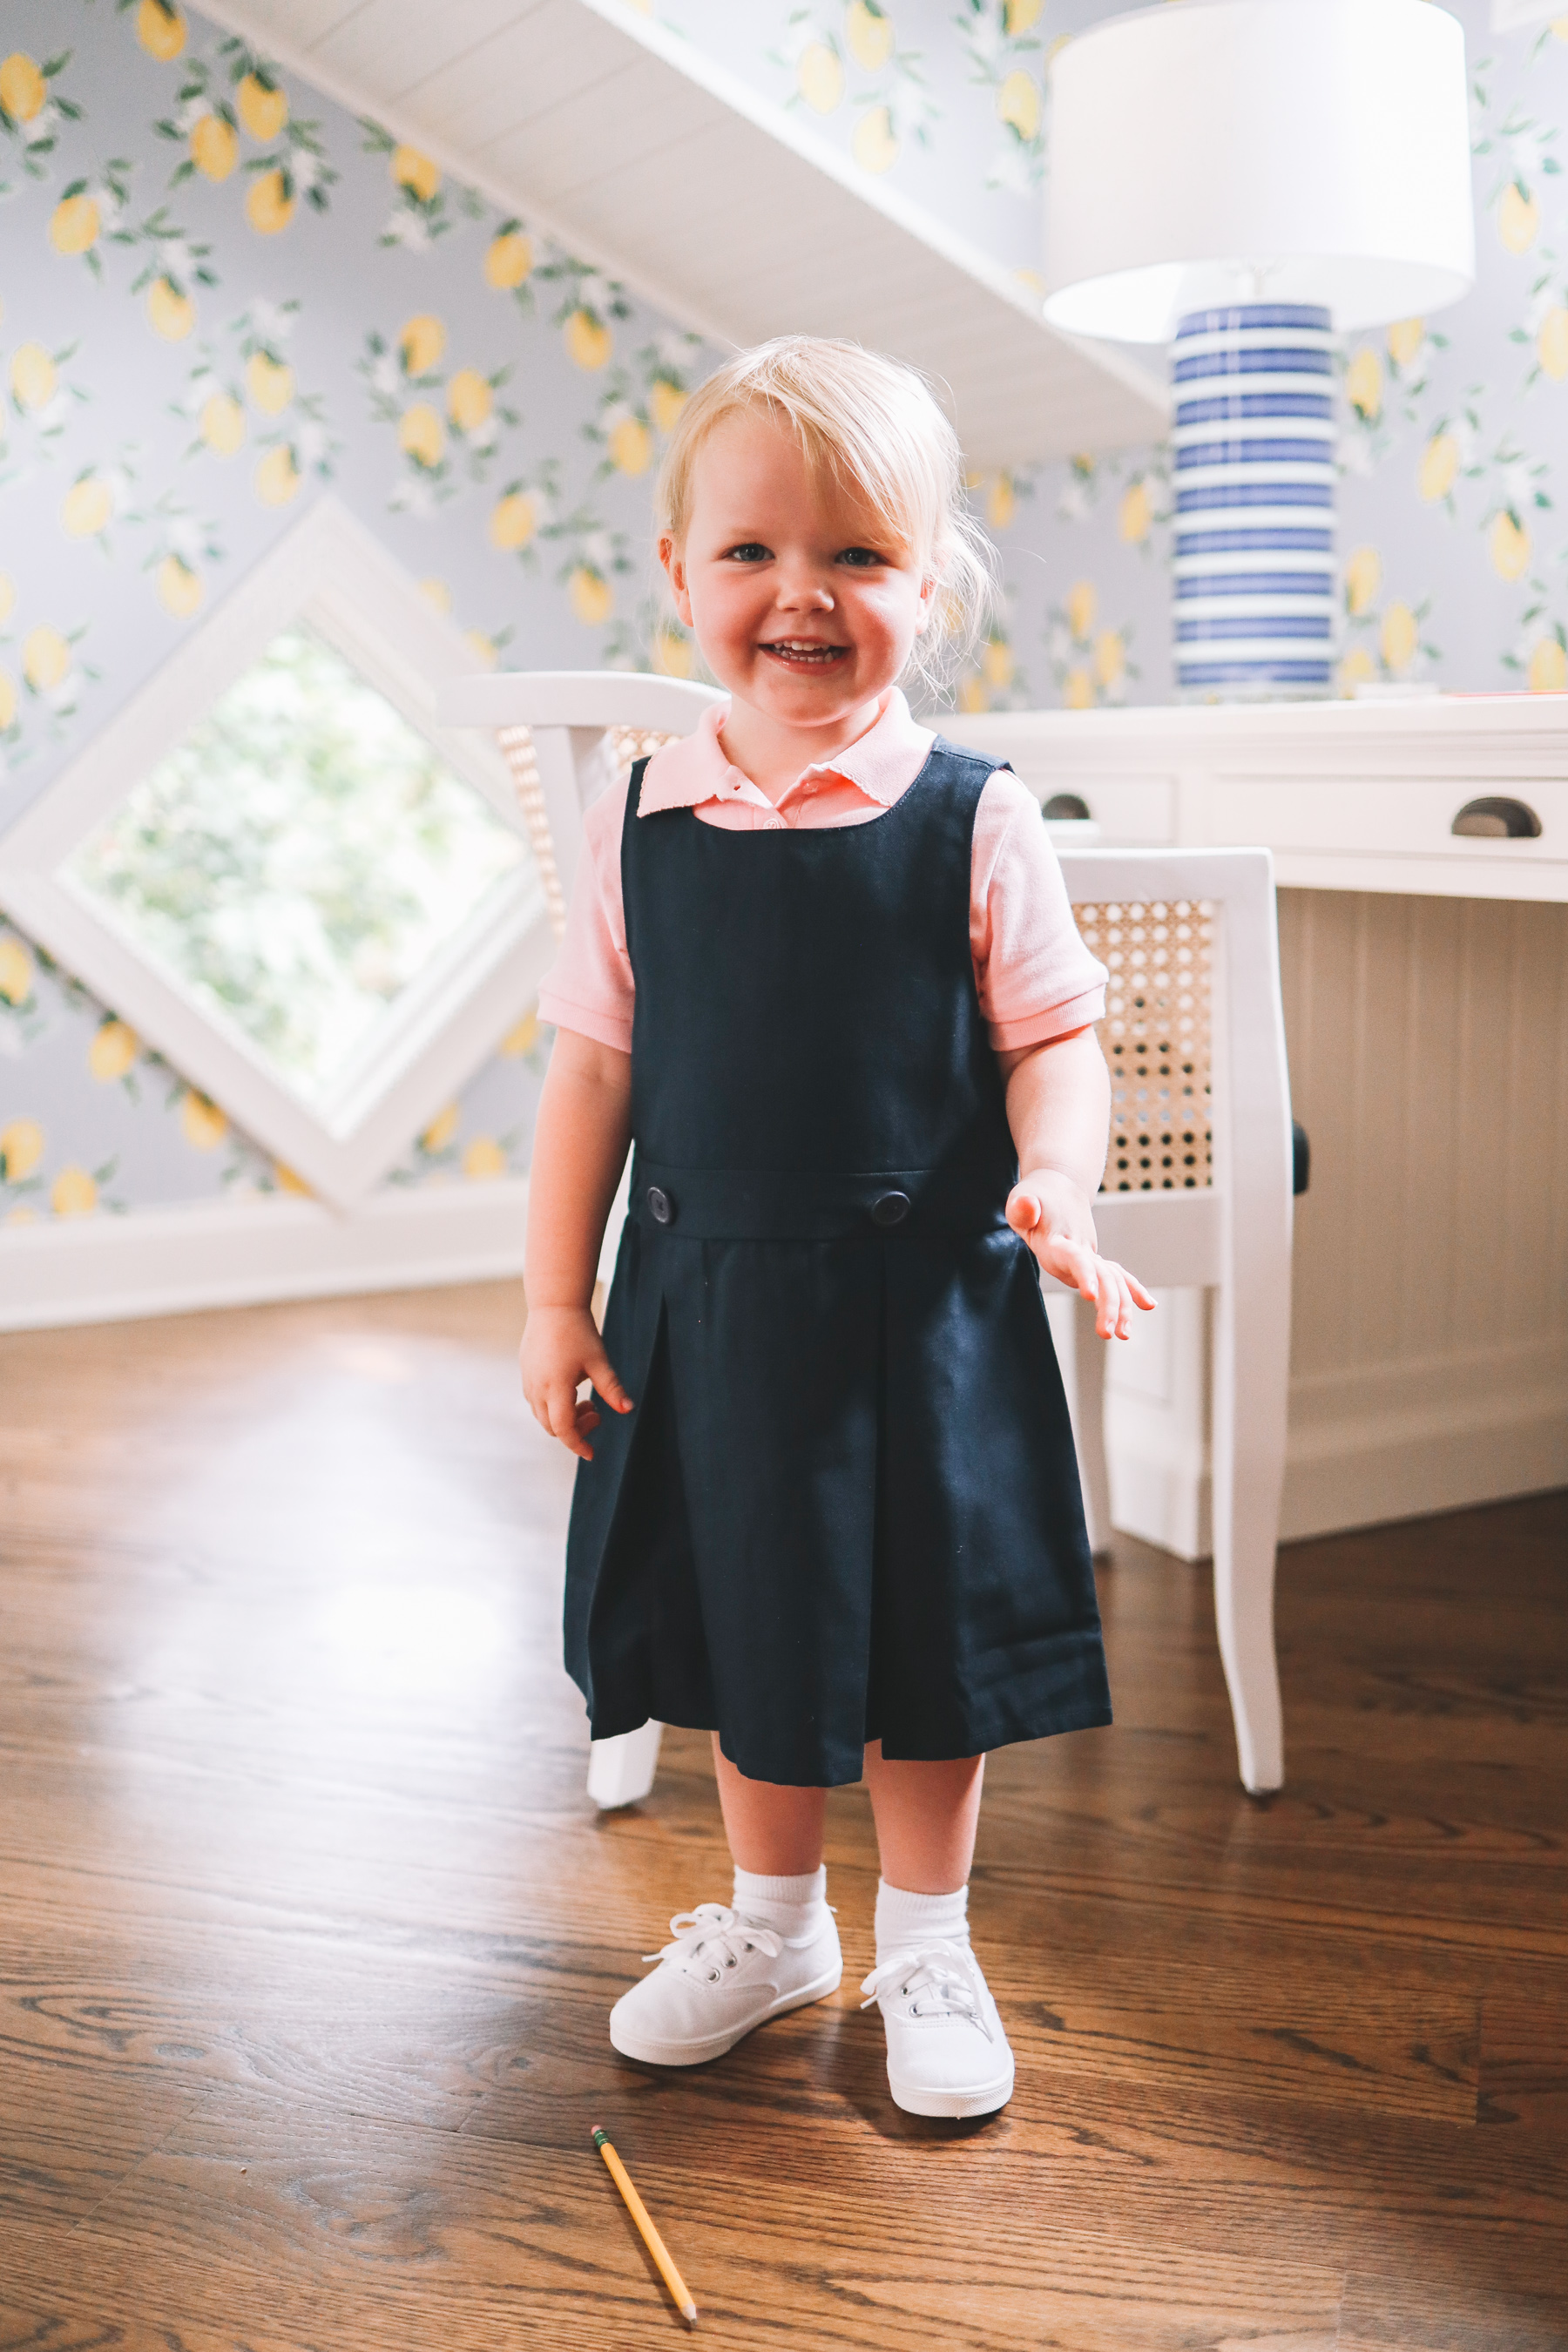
1285,150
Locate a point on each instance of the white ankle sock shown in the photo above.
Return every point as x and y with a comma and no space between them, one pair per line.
796,1907
903,1918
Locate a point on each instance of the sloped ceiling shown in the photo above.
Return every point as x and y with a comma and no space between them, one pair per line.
663,169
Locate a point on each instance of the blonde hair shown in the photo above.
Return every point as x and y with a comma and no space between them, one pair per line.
872,424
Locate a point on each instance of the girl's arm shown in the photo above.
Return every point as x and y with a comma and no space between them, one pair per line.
580,1143
1059,1108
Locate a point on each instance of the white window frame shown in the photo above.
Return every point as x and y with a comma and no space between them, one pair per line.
328,572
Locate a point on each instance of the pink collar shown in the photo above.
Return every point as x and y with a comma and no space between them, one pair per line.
882,763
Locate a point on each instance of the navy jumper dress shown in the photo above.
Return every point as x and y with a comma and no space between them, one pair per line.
845,1507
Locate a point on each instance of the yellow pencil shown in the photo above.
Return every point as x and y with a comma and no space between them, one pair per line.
650,2237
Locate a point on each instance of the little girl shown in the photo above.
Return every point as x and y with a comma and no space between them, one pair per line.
820,968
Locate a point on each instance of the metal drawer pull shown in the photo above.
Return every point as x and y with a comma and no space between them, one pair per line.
1498,820
1070,808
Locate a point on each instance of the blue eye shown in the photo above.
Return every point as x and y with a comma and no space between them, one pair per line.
751,551
862,558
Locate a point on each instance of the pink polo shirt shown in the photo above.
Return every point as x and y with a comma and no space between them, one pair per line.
1034,975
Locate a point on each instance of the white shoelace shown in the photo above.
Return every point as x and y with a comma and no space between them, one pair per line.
714,1932
946,1974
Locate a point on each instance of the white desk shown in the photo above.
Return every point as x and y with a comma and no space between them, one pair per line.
1426,979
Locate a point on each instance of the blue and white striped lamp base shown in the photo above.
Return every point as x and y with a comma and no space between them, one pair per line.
1253,551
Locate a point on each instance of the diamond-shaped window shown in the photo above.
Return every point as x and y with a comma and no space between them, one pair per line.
318,903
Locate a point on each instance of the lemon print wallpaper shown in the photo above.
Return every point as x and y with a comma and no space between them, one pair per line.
221,293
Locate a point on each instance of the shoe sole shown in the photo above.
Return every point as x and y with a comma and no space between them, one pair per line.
979,2099
713,2046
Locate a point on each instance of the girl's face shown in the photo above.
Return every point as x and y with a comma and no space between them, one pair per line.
803,601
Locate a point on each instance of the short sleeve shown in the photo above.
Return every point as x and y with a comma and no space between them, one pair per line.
589,988
1035,977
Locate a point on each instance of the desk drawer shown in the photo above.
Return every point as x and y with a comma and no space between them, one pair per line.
1383,816
1129,810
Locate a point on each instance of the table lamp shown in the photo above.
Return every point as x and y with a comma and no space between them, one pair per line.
1249,180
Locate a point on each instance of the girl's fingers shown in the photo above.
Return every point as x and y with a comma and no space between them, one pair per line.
1023,1210
602,1372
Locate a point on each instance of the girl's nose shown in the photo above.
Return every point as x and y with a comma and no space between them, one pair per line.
805,592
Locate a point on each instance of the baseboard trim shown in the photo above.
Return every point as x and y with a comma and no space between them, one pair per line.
241,1252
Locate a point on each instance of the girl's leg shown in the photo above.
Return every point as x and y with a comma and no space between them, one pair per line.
774,1831
926,1815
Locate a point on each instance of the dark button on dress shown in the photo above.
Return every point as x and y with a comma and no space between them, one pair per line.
847,1506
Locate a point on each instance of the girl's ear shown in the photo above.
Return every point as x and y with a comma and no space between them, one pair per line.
673,559
931,591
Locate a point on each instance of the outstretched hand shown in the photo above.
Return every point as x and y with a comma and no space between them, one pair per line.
561,1349
1054,1216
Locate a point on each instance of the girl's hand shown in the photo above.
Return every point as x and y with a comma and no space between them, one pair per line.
561,1349
1054,1216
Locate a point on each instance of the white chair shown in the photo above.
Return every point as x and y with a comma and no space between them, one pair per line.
1198,1188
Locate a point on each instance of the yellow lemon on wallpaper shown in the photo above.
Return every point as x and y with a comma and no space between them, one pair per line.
180,589
665,401
269,383
997,662
263,107
169,313
1551,343
34,376
268,207
483,647
513,521
1517,218
509,259
214,147
819,78
1548,668
1019,16
875,145
23,89
591,596
1077,690
971,694
1508,544
46,658
287,1181
1364,571
1399,638
483,1160
7,700
1018,103
222,424
15,972
588,343
869,33
74,1193
1357,667
1363,383
74,224
1405,338
7,595
21,1148
421,343
630,445
441,1129
415,171
1000,501
113,1051
672,653
87,508
161,30
1080,608
1110,656
524,1039
277,477
1439,466
436,593
469,399
202,1124
1135,514
421,434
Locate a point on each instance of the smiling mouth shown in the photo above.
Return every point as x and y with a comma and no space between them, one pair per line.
803,653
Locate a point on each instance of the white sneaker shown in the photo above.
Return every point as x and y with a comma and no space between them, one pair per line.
947,2054
723,1975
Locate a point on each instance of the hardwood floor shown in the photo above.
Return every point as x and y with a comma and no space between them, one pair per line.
307,1932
